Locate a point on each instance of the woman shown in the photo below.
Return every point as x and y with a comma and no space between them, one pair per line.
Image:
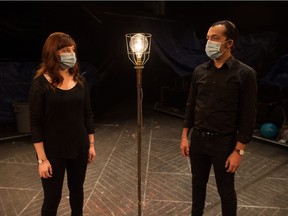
62,126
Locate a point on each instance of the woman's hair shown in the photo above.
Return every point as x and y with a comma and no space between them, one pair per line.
51,60
231,30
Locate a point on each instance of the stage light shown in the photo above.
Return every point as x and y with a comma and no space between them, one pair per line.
138,49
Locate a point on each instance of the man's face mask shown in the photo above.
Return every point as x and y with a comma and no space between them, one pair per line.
212,49
68,60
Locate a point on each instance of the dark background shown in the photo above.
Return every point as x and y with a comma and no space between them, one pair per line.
99,30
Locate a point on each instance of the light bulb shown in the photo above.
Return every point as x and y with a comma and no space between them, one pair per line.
138,44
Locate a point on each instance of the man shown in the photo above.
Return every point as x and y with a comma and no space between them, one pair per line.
221,110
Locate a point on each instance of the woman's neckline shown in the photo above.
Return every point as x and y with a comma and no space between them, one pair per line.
46,77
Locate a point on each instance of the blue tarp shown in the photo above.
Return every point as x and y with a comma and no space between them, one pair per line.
278,74
15,79
178,46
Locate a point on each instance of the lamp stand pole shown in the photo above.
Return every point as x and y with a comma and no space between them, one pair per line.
139,68
138,50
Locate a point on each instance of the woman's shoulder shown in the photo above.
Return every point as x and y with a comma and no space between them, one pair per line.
82,80
39,82
39,78
82,77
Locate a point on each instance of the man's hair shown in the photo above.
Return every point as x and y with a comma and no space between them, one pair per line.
231,30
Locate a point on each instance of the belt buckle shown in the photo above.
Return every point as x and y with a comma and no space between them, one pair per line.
205,133
208,133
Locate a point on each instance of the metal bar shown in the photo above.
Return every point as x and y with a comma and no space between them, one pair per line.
138,68
14,137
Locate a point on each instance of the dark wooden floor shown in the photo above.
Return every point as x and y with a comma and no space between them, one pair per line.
111,182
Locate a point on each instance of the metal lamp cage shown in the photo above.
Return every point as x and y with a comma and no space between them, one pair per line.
132,55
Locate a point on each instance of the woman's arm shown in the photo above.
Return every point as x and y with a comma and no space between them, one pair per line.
92,152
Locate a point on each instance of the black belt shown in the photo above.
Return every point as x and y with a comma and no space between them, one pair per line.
206,133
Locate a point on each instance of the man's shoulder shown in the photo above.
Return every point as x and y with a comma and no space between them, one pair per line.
245,71
202,66
244,66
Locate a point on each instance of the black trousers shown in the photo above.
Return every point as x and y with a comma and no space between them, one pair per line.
205,151
76,171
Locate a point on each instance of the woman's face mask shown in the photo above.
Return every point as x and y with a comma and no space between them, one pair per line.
212,49
67,60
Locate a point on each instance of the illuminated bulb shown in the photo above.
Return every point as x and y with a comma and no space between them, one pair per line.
138,44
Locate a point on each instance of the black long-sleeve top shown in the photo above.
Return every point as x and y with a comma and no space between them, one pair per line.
223,100
61,119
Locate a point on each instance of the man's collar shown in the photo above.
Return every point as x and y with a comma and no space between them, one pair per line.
229,62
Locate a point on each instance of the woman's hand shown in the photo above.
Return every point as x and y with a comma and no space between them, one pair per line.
91,154
45,169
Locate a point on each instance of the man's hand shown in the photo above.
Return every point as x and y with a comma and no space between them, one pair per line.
184,146
233,162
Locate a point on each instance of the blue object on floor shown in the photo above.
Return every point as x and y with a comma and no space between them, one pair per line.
269,130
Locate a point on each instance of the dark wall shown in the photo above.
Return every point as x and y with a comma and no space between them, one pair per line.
25,25
249,16
99,29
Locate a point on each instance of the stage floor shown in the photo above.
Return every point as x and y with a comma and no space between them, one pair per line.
111,181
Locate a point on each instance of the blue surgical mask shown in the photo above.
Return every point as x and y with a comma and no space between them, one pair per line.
68,60
212,49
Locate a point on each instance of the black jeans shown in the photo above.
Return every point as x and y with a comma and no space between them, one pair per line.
205,151
76,171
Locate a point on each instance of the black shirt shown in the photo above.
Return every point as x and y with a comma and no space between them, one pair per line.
223,100
61,119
